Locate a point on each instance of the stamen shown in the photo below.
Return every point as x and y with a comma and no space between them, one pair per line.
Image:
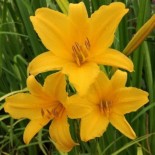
57,110
75,56
42,112
46,113
80,52
78,46
53,112
77,50
87,44
104,107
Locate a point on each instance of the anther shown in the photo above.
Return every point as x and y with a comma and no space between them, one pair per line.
87,43
80,52
104,107
78,46
57,110
42,112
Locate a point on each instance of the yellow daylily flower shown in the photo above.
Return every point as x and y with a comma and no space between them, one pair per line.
46,103
77,44
110,101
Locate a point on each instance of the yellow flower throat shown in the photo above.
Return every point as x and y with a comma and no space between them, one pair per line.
104,107
55,111
80,52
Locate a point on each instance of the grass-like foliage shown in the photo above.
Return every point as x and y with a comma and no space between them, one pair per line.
19,44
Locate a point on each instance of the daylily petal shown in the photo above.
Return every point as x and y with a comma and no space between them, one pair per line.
93,125
93,95
55,86
101,86
113,58
45,62
78,13
129,100
53,30
120,123
102,31
33,127
81,77
60,134
78,16
24,105
119,79
34,87
77,106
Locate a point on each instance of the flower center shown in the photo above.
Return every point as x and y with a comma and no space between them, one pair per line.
53,112
104,107
80,52
57,111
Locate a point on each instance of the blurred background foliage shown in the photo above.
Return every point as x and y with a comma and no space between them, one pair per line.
19,44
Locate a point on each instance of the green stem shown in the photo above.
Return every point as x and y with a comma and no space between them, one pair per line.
149,85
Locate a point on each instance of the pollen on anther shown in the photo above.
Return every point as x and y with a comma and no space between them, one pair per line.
87,43
104,107
81,52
